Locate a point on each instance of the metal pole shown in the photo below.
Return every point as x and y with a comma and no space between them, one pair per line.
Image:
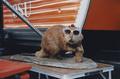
6,3
109,75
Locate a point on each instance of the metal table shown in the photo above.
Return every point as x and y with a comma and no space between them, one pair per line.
63,73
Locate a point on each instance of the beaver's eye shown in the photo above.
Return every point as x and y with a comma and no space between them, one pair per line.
76,32
67,31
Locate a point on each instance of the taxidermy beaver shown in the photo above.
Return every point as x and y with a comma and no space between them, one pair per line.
61,38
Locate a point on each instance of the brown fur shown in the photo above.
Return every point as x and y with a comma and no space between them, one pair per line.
54,40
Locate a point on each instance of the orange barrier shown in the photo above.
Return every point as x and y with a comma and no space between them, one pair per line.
42,12
10,68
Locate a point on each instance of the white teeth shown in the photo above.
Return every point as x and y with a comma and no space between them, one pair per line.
69,52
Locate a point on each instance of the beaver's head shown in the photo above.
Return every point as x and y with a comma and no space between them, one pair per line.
72,35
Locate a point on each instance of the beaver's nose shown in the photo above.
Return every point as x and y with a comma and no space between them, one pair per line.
71,41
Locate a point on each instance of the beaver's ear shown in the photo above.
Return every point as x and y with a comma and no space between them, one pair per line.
72,25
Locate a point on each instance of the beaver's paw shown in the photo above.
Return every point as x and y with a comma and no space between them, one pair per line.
78,59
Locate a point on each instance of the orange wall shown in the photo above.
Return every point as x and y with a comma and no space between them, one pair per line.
103,15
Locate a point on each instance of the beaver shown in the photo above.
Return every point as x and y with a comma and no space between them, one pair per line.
61,38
